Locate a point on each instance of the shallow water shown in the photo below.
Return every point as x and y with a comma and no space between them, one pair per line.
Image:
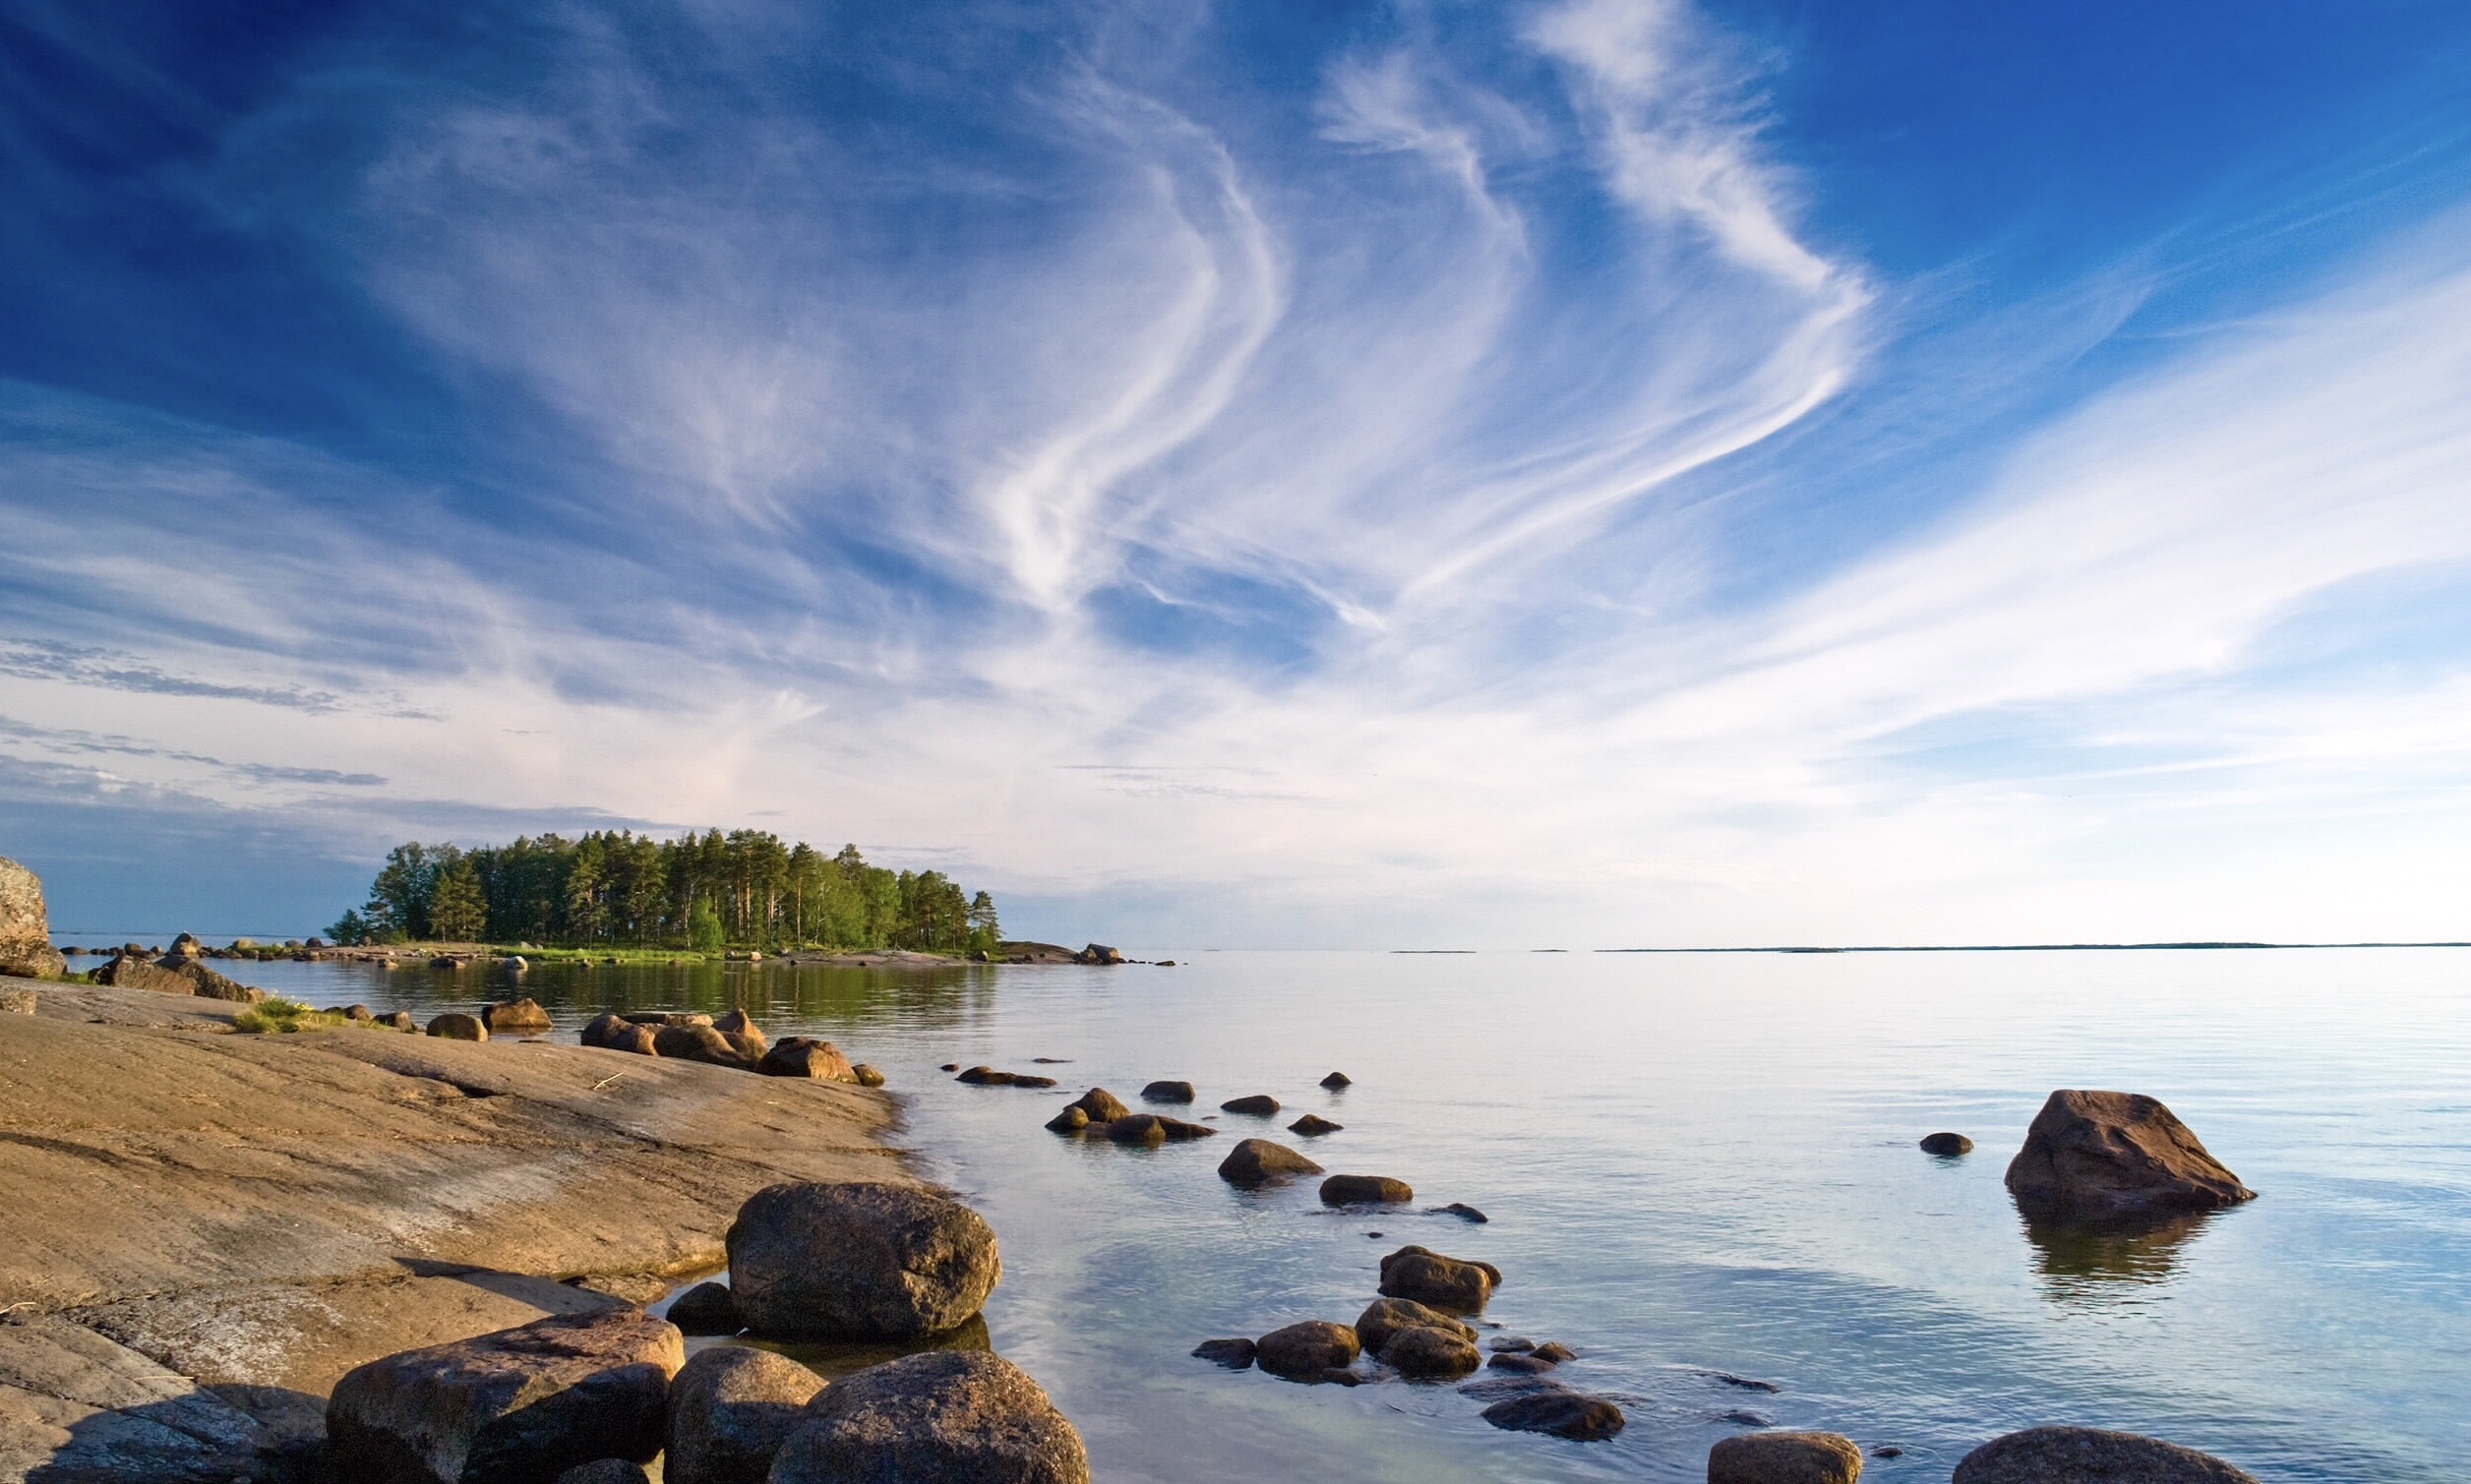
1694,1164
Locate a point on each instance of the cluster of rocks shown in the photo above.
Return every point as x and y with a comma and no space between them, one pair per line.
728,1039
589,1398
178,971
1098,1114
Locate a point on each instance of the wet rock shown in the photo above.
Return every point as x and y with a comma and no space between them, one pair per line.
1462,1212
1511,1344
1438,1282
517,1016
805,1057
1256,1162
1364,1190
1072,1120
1307,1350
706,1309
26,950
941,1417
1099,953
1235,1354
1947,1146
868,1075
1168,1091
700,1043
1556,1354
1385,1316
1150,1128
1525,1365
1101,1104
1746,1418
1260,1106
1742,1382
1338,1080
989,1077
455,1025
861,1261
949,1066
2115,1157
1563,1414
1426,1353
517,1405
730,1411
2068,1455
1313,1126
1887,1453
1784,1459
606,1471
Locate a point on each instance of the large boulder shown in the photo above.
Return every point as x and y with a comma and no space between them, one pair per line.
1385,1316
1168,1091
2088,1455
1426,1353
1101,1104
2115,1158
700,1043
173,974
857,1261
1365,1190
513,1408
1307,1350
940,1417
515,1017
706,1309
1437,1281
730,1409
1784,1459
806,1056
602,1027
1256,1162
455,1025
26,926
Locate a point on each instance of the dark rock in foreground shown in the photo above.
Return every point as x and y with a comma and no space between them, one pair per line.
1258,1106
1438,1282
1256,1162
806,1056
1563,1414
730,1409
1168,1092
1947,1146
2115,1158
1235,1354
512,1407
1313,1126
1307,1350
941,1417
860,1261
1784,1459
1385,1316
1365,1190
2082,1455
706,1309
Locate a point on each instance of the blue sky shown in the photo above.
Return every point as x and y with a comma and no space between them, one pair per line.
1586,473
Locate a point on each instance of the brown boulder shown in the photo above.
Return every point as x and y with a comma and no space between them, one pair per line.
598,1031
1260,1106
1313,1125
1255,1161
1101,1104
1784,1459
860,1261
1438,1282
1168,1091
512,1407
2070,1454
1424,1353
1307,1350
1385,1316
26,949
1338,1080
700,1043
1364,1190
1560,1413
1235,1354
1947,1146
730,1409
737,1019
868,1075
2115,1157
455,1025
806,1056
515,1017
941,1417
1072,1120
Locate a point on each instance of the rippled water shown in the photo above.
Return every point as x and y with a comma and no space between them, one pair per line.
1694,1164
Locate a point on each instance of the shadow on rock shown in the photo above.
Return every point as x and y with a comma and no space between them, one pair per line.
832,1359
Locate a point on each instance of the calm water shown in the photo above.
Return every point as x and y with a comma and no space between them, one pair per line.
1693,1164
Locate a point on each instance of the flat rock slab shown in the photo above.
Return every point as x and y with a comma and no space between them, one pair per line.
76,1407
2090,1455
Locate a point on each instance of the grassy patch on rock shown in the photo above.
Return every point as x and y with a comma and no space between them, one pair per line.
283,1016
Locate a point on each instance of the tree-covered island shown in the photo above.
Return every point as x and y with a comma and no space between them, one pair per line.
705,891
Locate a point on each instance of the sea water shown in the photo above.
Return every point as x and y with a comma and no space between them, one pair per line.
1700,1171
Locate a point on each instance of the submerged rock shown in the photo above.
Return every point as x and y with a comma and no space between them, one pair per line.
1784,1459
706,1309
1256,1162
941,1417
1947,1146
989,1077
860,1261
1260,1106
1313,1126
521,1405
1365,1190
1235,1354
1338,1080
730,1409
1556,1354
1307,1350
1462,1212
1438,1282
1168,1091
2068,1455
1563,1414
2115,1157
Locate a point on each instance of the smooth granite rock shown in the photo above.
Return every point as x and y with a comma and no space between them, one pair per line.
860,1261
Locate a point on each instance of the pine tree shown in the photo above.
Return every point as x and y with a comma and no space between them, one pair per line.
458,912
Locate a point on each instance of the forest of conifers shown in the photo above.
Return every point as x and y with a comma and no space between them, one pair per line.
706,892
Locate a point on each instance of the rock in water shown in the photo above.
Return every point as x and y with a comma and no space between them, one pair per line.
1338,1080
700,1043
2068,1455
1464,1212
1168,1091
1947,1146
1099,953
857,1261
1260,1106
1071,1120
1313,1125
455,1025
1784,1459
1438,1282
515,1017
1307,1350
1100,1105
1256,1162
513,1408
26,949
1563,1414
706,1309
941,1417
1554,1354
1364,1190
730,1409
1429,1353
1521,1365
600,1028
1235,1354
735,1018
806,1056
867,1077
2115,1157
1385,1316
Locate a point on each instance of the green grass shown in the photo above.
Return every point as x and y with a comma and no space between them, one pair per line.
283,1017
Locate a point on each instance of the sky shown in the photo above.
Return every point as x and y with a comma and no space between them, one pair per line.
1587,473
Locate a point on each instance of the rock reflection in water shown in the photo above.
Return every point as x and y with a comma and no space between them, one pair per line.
2111,1263
832,1359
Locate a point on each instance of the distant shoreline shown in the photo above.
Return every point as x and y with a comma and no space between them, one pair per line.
2026,948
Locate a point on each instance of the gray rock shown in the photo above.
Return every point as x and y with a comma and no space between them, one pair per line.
1784,1459
941,1417
1168,1091
1256,1162
1099,953
2085,1456
26,949
606,1471
706,1309
1258,1106
1462,1212
1441,1282
1563,1414
76,1408
1947,1146
859,1260
455,1025
730,1409
1385,1316
1365,1190
2115,1157
513,1408
1426,1353
1307,1350
1555,1353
